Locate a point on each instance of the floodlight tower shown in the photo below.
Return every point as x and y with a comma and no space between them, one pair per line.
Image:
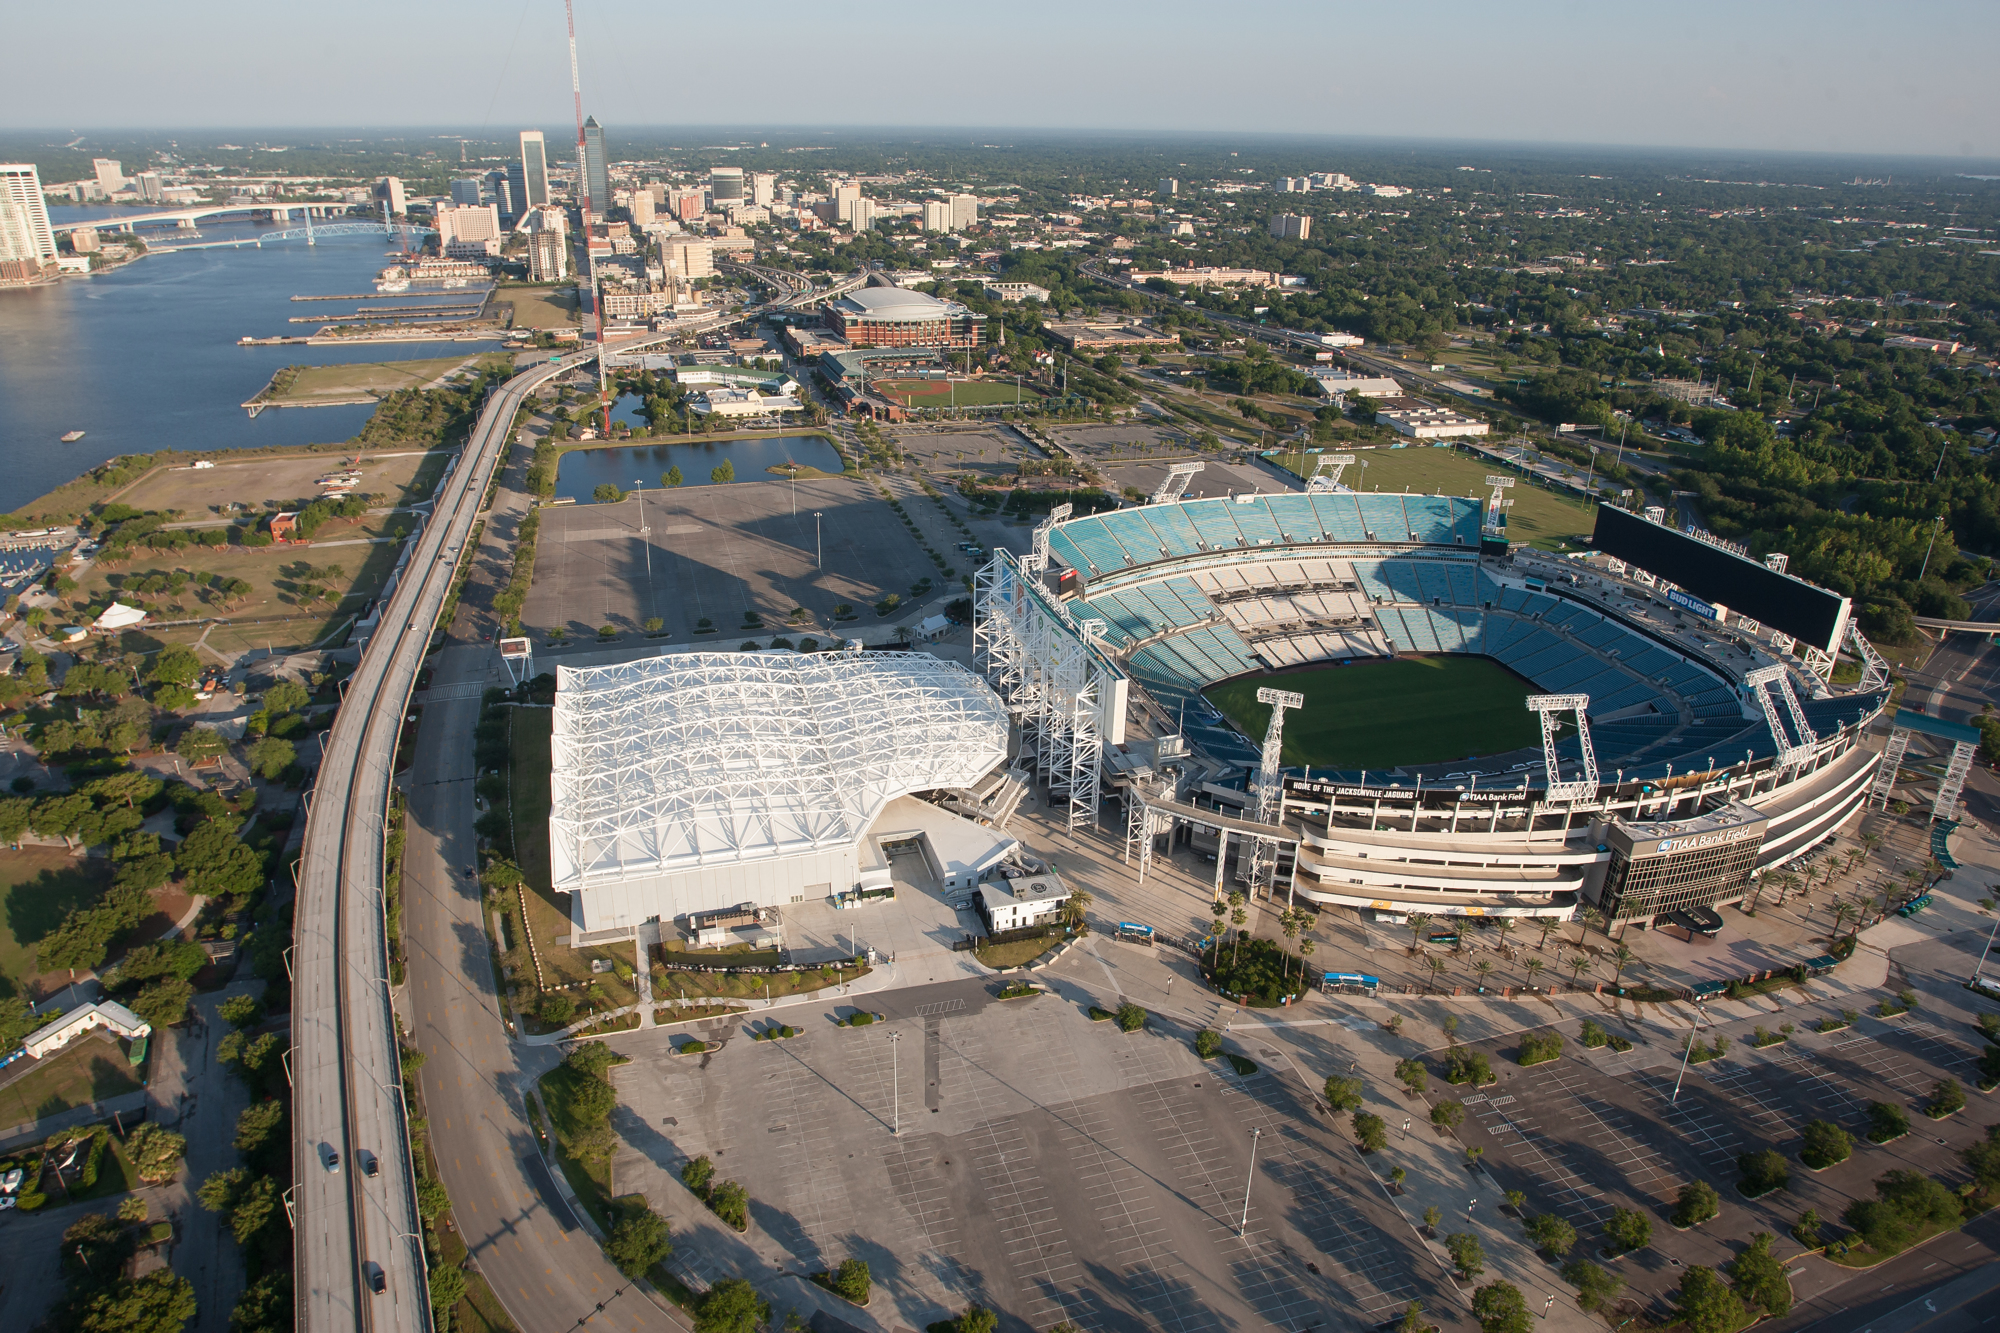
1326,474
1271,785
1496,507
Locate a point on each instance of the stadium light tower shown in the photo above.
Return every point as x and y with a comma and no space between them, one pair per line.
1326,474
1271,785
1171,490
1547,706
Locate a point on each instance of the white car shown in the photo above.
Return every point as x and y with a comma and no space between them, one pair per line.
10,1184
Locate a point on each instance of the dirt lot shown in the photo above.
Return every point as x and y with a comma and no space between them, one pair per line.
539,307
207,493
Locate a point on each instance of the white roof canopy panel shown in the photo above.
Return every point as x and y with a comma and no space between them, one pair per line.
691,760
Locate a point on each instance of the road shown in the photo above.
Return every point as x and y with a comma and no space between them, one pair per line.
346,1087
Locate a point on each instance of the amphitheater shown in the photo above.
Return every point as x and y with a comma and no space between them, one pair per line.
1687,760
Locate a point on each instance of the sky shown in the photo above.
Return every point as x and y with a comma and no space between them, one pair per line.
1808,76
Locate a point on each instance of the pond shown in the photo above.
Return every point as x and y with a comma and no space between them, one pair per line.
582,471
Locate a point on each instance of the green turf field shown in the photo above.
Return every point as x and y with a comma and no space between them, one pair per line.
1540,518
939,393
1413,710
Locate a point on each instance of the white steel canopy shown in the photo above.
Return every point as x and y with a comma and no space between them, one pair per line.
696,760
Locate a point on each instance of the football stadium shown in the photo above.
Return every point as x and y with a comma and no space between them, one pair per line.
1463,729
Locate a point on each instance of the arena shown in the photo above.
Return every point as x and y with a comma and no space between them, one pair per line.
1661,734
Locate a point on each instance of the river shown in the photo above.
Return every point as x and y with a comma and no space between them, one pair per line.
145,357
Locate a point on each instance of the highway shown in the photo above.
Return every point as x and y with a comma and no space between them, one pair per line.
353,1226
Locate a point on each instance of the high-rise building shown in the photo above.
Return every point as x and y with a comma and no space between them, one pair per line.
937,215
151,187
548,245
533,188
642,207
596,172
685,204
763,188
500,185
1293,185
964,211
26,241
862,215
468,222
844,198
689,259
1291,227
110,174
465,192
725,187
1168,185
389,190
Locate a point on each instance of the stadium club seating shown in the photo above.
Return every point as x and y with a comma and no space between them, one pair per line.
1243,591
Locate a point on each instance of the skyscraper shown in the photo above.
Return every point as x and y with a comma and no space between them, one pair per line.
389,190
763,188
725,187
533,188
26,242
465,193
596,177
110,173
964,211
937,215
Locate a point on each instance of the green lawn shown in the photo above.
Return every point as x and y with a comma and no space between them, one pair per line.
941,393
38,886
1540,518
90,1069
1414,710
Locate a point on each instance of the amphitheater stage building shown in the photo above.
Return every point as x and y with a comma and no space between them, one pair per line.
694,782
1188,595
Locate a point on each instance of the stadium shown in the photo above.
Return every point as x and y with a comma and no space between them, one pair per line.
1673,763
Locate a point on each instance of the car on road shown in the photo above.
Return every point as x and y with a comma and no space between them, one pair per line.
332,1162
378,1280
371,1164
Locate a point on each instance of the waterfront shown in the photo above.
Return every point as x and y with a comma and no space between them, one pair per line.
145,357
584,470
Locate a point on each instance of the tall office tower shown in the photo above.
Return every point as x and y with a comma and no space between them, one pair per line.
685,204
150,186
465,193
937,215
863,216
1291,227
26,242
468,222
500,188
1168,185
533,189
596,173
642,207
389,190
964,211
725,187
548,256
110,174
689,259
763,188
845,197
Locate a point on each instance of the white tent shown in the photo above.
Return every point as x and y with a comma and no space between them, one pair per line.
120,616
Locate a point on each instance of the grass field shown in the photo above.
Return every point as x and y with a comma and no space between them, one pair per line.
38,886
1414,710
540,307
365,377
90,1069
944,393
1540,518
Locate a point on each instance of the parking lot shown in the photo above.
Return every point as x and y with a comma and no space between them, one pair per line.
1051,1167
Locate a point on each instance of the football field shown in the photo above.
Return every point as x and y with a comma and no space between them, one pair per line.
1412,710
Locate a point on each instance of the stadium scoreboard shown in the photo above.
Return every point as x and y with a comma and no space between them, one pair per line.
1708,576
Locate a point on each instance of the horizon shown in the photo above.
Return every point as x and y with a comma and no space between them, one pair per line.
1773,80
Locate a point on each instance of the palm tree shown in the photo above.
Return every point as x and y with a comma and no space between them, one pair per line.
1483,968
1306,947
1219,909
1079,902
1623,959
1547,923
1842,909
1579,965
1436,965
1417,923
1534,967
1237,916
1289,923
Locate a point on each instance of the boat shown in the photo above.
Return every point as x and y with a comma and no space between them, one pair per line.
72,437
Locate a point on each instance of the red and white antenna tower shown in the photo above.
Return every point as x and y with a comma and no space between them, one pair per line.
589,273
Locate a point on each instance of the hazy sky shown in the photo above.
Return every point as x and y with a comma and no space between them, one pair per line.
1815,75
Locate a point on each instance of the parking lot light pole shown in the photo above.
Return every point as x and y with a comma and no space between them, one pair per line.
1702,1013
1244,1225
895,1085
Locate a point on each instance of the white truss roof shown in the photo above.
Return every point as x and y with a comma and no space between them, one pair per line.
694,760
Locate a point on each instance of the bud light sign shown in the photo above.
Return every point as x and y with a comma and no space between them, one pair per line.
1694,604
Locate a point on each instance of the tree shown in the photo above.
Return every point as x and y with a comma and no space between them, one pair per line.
270,756
638,1240
731,1306
175,665
174,698
1762,1172
731,1202
1413,1074
156,1153
672,477
1697,1203
160,1302
1344,1093
1448,1115
606,494
1551,1233
725,473
214,862
654,625
1759,1277
1628,1230
164,1003
1595,1287
1500,1308
433,1199
447,1284
1466,1255
242,1011
200,745
259,1124
1370,1131
697,1175
851,1280
1208,1043
1946,1097
1906,1203
1708,1305
287,696
1130,1017
1824,1145
266,1306
592,1059
1886,1121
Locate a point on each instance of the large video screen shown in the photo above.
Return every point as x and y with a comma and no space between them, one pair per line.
1810,614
